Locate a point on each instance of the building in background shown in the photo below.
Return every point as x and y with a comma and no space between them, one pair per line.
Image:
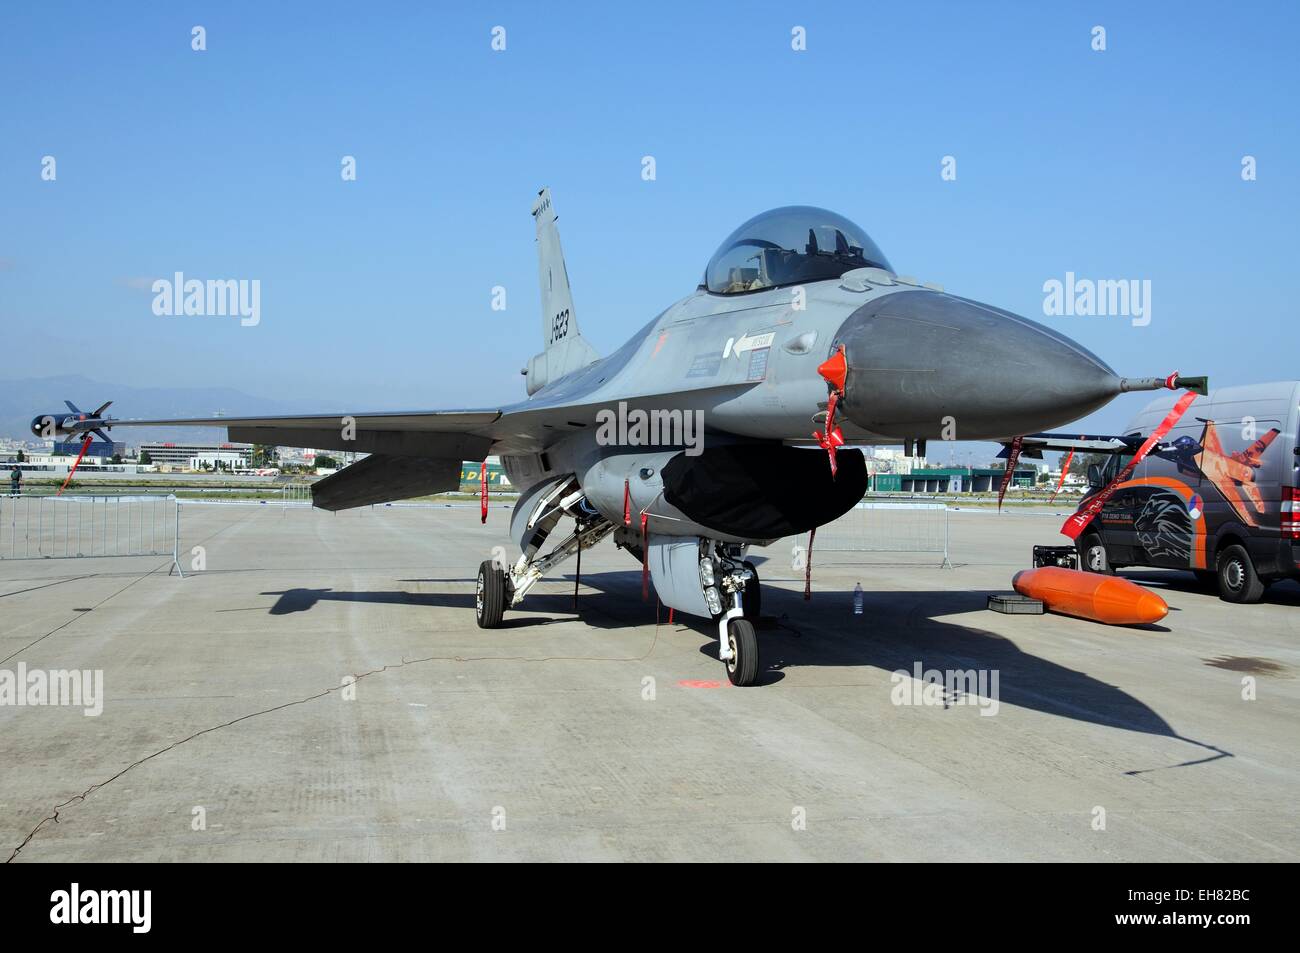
178,455
97,448
219,460
951,480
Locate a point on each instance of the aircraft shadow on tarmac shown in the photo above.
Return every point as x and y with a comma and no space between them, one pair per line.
897,630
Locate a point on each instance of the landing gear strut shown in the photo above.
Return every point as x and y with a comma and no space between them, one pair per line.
753,594
728,583
499,589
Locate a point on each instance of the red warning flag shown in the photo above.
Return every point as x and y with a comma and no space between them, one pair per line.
627,503
1077,523
807,567
85,444
834,370
1012,457
834,437
1065,468
482,478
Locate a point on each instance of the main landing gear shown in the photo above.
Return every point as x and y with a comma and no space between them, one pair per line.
728,582
499,588
490,595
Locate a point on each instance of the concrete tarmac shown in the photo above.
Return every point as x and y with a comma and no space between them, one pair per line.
319,691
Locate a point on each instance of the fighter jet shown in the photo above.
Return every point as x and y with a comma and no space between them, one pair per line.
1234,473
724,424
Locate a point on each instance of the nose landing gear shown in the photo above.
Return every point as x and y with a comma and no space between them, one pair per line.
742,643
735,581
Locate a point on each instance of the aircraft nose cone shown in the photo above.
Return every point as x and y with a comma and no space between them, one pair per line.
928,365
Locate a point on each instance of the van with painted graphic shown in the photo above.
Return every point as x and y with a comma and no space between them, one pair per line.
1219,495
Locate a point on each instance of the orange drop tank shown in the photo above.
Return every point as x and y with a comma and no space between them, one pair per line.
1088,595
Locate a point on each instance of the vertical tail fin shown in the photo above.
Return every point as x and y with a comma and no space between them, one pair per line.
558,320
565,348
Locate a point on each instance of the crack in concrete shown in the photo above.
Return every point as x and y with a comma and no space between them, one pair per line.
167,565
54,815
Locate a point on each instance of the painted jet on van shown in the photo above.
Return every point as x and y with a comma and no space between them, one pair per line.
1232,473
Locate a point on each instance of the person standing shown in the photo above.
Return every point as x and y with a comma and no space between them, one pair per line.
16,481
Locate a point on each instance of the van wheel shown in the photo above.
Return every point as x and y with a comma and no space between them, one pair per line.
1238,581
1092,555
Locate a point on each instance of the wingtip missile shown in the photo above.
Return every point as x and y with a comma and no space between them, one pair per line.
61,424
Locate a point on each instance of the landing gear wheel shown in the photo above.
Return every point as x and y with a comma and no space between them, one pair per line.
753,597
742,667
1238,581
1093,557
489,595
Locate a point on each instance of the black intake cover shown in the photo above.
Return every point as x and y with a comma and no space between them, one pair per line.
764,491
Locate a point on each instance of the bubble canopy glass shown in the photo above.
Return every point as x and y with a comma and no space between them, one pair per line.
791,245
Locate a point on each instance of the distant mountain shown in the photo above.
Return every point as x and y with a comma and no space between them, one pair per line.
21,400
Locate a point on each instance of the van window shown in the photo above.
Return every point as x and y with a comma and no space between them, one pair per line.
1114,465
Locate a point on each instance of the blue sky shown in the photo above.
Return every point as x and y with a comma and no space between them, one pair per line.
376,293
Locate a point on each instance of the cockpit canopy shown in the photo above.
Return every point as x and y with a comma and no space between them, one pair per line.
790,246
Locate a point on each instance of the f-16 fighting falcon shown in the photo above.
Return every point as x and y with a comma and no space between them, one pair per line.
725,423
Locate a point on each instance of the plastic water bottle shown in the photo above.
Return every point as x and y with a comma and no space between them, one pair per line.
857,599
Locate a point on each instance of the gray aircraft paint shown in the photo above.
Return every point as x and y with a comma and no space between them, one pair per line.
915,356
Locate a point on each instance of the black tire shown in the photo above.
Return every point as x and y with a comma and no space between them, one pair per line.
489,595
753,596
1238,581
742,667
1093,556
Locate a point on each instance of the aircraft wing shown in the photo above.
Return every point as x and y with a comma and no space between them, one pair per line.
1034,444
458,434
412,453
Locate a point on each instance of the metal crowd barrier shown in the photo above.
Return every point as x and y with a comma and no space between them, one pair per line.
886,527
298,493
65,527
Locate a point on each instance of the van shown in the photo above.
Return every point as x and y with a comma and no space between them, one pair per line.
1217,496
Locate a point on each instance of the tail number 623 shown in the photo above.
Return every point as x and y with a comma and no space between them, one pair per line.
560,325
